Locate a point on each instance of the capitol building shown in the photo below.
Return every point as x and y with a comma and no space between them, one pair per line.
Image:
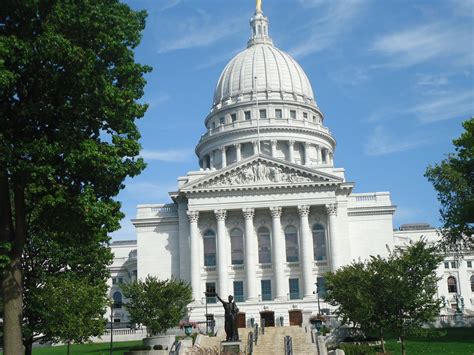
268,213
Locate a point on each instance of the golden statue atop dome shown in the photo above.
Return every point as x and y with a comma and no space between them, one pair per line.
258,7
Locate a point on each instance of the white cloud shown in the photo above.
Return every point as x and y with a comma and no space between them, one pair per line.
426,42
332,20
217,59
380,143
197,31
172,155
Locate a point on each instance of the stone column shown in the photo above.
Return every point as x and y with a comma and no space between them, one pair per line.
193,217
278,248
255,147
274,148
306,154
223,157
291,150
211,160
250,254
320,154
307,255
222,272
331,211
238,152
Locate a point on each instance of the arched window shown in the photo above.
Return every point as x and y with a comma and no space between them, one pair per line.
291,240
264,246
319,242
117,299
237,246
452,285
472,283
209,239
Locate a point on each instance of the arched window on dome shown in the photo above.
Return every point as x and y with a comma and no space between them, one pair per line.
319,243
237,246
117,296
264,246
452,285
472,283
209,240
291,241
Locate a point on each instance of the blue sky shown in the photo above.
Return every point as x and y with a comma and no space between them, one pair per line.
393,78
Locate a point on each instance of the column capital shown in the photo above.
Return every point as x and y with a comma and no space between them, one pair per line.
331,209
222,148
220,214
291,142
273,142
193,216
275,212
248,213
237,145
303,210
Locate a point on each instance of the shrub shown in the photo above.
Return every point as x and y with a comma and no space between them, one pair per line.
139,347
351,349
158,347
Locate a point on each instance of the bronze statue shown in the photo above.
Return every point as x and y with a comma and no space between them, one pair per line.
231,311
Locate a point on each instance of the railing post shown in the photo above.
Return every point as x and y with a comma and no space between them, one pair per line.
288,345
250,344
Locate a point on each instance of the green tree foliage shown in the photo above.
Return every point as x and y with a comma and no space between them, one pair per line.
397,292
68,105
157,304
453,179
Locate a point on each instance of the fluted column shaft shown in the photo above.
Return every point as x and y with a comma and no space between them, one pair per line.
331,210
306,154
255,147
193,217
211,160
250,254
223,157
274,148
307,256
238,152
320,154
222,273
291,150
278,247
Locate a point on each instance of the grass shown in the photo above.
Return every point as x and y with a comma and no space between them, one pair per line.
448,341
87,349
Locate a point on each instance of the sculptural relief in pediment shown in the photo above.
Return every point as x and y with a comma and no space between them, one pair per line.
258,174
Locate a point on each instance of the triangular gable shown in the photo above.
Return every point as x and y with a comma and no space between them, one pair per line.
258,171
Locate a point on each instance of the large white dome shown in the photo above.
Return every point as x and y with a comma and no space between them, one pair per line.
269,69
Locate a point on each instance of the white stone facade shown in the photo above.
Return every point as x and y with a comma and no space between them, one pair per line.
268,213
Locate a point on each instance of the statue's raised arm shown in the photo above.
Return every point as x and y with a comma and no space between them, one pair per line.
220,299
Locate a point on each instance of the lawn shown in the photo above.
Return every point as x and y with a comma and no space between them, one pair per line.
449,341
89,349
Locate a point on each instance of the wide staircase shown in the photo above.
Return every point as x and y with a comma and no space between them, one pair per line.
270,343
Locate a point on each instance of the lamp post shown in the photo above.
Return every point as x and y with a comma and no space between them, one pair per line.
317,295
111,327
207,322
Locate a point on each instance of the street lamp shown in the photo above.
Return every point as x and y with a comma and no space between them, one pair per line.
317,294
111,327
205,296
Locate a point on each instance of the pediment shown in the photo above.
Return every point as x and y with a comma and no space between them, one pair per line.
261,171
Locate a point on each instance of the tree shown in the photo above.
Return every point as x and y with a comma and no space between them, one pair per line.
453,179
81,270
157,304
397,292
68,105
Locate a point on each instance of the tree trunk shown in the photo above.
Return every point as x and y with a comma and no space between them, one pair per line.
29,346
69,347
382,340
402,344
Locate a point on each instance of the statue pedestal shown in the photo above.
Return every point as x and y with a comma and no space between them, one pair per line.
231,347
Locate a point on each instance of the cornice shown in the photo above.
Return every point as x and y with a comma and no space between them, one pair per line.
370,211
154,221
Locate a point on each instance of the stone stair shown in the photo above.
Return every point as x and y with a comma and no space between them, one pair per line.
270,343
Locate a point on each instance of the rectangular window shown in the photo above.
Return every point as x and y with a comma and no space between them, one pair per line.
293,114
239,291
305,115
266,290
116,320
233,117
213,125
247,115
453,265
114,280
120,280
221,120
211,292
294,289
321,286
278,113
446,265
263,114
469,264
